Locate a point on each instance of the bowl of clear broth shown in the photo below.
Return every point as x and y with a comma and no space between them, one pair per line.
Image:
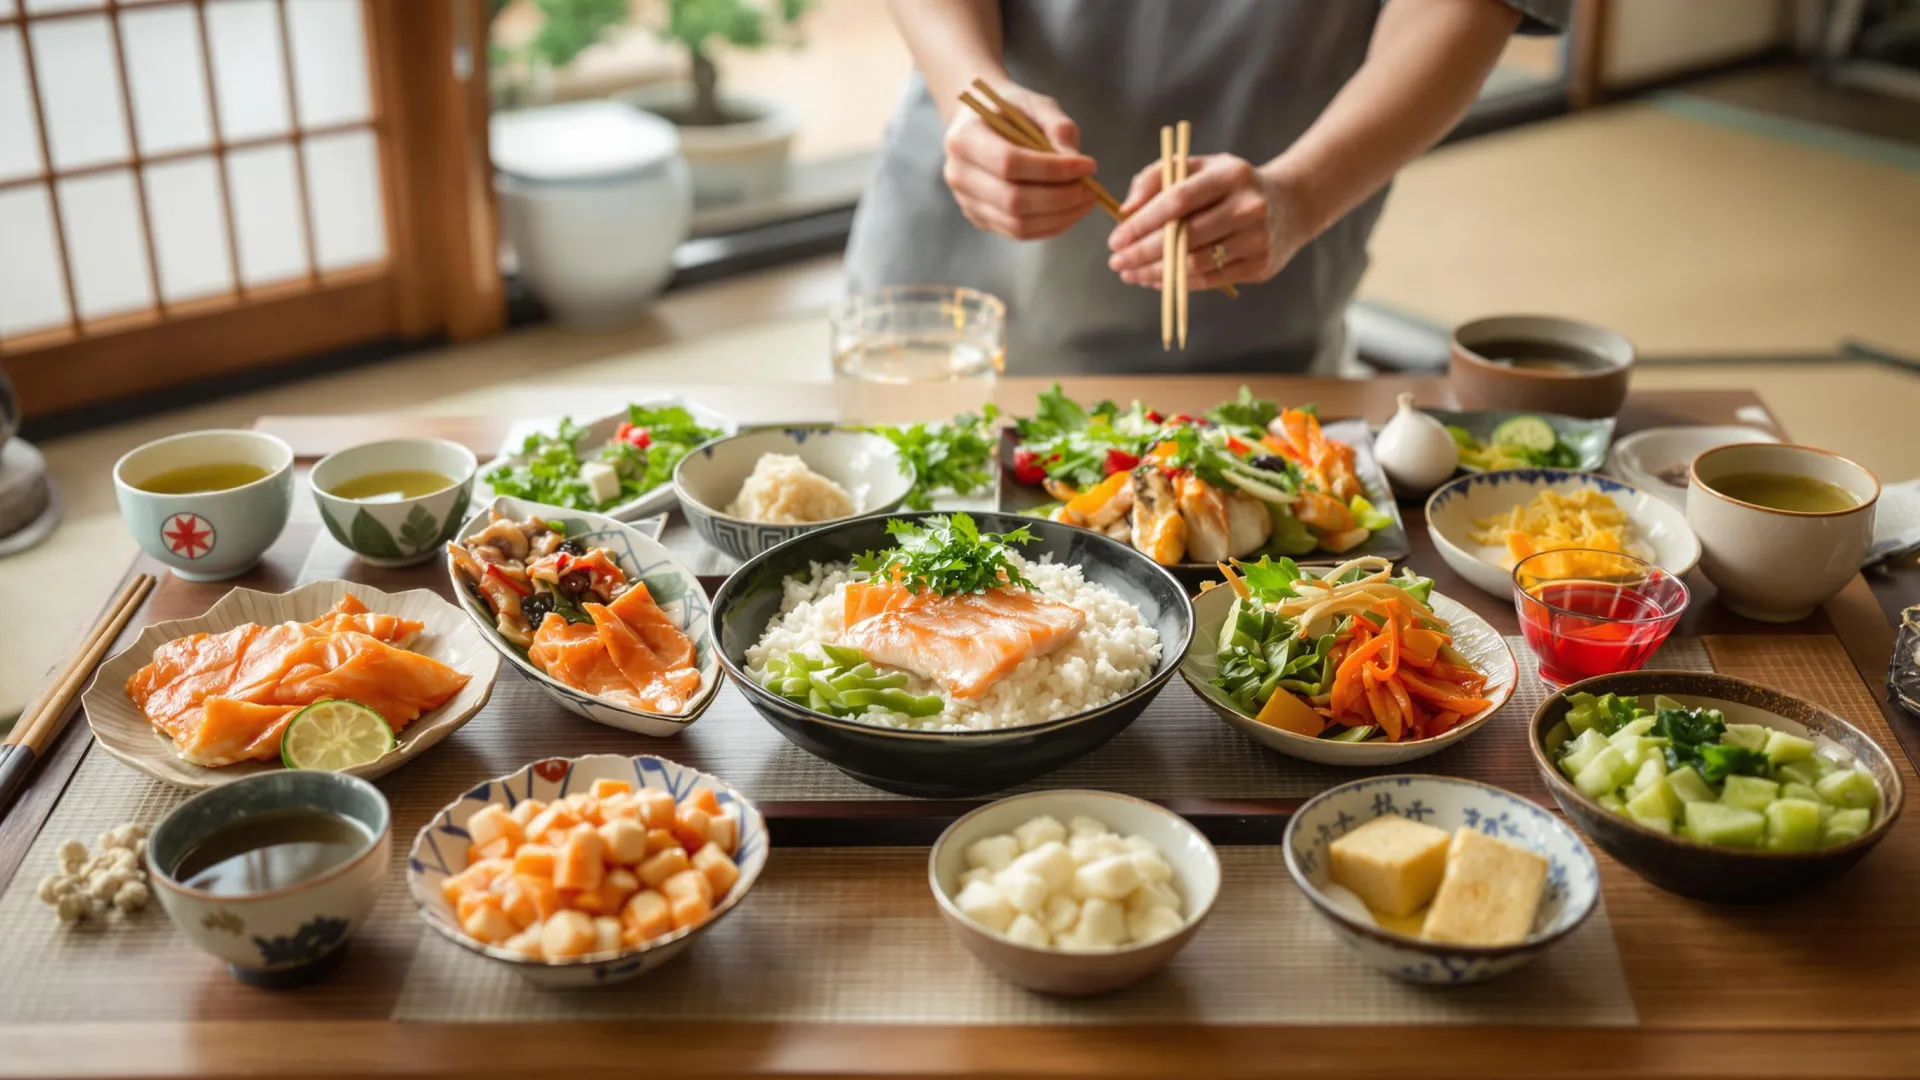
207,504
1540,363
395,502
273,874
1782,528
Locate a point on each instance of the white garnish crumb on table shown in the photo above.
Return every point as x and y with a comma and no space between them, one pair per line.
95,886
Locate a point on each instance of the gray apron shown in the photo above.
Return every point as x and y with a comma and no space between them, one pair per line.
1251,75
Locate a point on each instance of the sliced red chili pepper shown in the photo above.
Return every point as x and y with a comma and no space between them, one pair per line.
499,575
1180,418
1154,417
1119,460
1238,445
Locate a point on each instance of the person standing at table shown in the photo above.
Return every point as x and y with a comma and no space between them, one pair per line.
1307,109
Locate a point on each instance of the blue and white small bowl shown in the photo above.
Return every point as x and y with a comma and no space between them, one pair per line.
1657,525
868,466
1573,879
440,851
674,587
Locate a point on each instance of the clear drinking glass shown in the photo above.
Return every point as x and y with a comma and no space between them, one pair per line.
1586,613
916,352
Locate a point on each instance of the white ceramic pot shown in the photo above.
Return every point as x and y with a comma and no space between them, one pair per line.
1778,565
732,164
594,198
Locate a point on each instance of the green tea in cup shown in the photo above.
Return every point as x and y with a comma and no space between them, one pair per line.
194,479
392,485
1786,491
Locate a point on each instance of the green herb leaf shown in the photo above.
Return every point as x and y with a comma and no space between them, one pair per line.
948,555
1246,413
1270,581
956,456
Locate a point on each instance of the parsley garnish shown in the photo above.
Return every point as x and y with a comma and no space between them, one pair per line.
1247,414
956,456
948,555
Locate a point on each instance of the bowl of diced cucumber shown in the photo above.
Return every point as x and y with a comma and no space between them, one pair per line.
1714,787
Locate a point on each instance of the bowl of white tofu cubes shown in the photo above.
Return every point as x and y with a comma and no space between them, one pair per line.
1074,892
1438,880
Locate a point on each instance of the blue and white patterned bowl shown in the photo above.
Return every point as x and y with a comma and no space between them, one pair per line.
674,587
1658,526
709,479
1573,879
440,851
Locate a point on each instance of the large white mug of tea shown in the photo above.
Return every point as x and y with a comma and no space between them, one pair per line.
208,504
1782,528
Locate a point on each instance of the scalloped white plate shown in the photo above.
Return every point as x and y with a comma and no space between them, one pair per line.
449,637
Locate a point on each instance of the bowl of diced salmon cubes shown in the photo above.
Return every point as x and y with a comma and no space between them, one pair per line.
589,870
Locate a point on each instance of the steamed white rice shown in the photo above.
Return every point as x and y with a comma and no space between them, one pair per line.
1114,651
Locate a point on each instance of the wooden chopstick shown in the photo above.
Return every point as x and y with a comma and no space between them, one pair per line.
1182,139
1012,123
1009,127
1168,241
36,729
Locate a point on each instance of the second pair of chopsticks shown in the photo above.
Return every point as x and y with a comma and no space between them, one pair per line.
45,717
1174,142
1013,124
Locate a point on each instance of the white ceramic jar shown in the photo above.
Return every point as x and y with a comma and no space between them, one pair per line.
594,197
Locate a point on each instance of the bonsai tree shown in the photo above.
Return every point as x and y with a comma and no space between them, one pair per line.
570,27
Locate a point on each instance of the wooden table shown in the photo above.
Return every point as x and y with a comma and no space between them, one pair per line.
1826,985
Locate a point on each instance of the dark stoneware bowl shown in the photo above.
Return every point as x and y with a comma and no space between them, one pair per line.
949,763
1722,875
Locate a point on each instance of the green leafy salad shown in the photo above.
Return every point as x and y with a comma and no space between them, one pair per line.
1686,770
641,456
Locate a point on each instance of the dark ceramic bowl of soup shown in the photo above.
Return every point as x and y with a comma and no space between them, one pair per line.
1782,528
273,874
1540,363
395,502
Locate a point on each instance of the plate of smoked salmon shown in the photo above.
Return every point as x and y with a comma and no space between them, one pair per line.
200,702
596,613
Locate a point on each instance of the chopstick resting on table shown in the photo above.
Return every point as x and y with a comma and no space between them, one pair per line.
46,716
1013,124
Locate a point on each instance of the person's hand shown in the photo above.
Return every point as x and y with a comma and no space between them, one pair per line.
1003,188
1240,224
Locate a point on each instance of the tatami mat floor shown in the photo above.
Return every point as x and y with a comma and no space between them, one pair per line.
1689,233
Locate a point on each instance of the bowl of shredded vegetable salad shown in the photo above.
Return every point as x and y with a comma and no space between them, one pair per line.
1345,665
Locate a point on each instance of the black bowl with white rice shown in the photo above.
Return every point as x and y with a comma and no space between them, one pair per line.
1048,710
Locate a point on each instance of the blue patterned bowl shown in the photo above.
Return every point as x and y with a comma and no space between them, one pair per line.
440,851
709,479
1573,879
1657,525
674,587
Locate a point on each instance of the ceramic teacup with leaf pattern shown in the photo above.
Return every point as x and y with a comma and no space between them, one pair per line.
381,501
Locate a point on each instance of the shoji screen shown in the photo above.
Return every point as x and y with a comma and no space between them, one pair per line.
189,186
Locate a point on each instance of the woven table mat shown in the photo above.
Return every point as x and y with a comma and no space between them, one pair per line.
836,936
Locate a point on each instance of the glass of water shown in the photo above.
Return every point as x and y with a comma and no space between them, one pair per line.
916,352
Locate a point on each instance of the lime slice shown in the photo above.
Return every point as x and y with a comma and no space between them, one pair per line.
1525,433
335,735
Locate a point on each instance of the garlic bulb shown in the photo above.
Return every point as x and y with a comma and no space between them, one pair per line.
1416,450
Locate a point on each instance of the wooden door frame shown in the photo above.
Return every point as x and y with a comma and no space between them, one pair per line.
441,276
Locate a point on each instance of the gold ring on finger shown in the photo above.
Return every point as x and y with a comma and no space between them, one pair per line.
1219,256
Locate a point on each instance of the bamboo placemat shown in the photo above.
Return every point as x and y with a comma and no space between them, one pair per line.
835,936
